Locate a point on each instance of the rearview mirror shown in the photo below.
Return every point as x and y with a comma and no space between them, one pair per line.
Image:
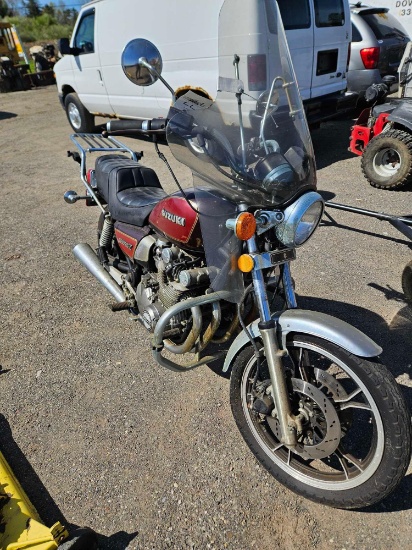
64,46
142,62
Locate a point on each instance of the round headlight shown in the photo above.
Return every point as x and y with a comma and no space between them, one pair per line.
301,219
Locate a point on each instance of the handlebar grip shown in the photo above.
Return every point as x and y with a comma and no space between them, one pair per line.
143,125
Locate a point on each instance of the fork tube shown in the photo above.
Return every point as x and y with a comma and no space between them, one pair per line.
273,354
288,287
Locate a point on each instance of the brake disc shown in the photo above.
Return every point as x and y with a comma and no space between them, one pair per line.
322,426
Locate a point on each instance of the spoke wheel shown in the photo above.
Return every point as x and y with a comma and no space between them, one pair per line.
354,441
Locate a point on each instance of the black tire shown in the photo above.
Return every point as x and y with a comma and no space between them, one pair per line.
407,282
371,428
78,116
387,160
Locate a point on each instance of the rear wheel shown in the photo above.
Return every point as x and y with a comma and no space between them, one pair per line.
79,117
407,282
387,160
354,445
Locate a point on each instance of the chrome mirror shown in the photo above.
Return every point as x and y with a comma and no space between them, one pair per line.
142,62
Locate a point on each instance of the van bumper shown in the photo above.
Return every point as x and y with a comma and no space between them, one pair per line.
323,108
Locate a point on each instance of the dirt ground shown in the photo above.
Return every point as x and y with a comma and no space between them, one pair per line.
102,436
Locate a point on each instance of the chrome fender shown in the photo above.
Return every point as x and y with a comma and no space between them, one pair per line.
310,322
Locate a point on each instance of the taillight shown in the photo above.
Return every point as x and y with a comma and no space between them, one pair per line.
90,177
256,71
348,59
370,57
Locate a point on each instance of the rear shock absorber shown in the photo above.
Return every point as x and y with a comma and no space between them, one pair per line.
105,239
106,235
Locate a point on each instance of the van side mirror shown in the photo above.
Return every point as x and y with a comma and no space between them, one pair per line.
64,46
142,62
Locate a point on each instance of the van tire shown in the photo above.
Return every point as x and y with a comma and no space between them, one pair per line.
387,160
78,116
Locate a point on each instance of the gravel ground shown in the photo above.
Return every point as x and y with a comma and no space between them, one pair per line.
99,434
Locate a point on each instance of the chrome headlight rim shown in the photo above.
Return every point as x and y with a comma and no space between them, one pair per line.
288,231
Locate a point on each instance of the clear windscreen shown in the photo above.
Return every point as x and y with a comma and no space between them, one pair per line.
251,146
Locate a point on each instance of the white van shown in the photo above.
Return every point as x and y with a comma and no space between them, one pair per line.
401,9
91,82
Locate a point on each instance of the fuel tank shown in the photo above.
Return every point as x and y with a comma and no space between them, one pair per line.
179,223
174,219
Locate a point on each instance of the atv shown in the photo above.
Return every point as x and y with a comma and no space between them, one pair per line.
382,135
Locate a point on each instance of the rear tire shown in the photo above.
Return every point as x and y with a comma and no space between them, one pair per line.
387,160
78,116
355,444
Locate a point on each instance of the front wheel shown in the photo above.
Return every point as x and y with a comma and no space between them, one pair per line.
354,443
79,117
387,160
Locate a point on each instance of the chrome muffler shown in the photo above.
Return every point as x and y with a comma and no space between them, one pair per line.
86,256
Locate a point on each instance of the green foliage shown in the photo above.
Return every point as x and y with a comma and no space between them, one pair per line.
39,24
44,27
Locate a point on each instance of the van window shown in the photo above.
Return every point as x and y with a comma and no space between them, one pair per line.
84,39
329,13
295,14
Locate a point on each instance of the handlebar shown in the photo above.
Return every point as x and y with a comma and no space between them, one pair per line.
157,125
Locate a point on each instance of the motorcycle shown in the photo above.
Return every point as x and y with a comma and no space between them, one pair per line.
205,268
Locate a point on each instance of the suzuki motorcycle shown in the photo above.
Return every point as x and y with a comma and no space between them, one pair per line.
207,269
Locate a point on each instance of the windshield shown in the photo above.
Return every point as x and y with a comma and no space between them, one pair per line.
251,146
252,142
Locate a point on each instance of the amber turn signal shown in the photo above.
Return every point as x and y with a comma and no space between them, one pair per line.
245,263
245,226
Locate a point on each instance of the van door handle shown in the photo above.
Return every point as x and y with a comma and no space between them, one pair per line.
100,77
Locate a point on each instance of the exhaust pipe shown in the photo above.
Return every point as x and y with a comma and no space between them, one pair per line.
86,256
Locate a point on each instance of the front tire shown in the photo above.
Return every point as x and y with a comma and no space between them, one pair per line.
78,116
387,160
355,444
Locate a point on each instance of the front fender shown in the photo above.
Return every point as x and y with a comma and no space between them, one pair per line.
310,322
402,115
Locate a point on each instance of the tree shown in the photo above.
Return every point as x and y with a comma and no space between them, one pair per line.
14,7
50,9
4,8
32,8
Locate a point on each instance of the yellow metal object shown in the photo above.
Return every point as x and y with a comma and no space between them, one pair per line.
20,524
245,263
8,46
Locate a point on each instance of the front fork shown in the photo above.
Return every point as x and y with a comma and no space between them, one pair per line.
273,353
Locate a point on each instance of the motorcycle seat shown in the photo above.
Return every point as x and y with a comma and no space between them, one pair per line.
130,189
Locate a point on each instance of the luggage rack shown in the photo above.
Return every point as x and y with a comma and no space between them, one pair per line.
97,143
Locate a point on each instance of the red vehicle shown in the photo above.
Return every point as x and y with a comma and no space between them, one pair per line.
382,134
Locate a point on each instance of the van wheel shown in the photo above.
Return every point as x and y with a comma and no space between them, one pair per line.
387,160
79,117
